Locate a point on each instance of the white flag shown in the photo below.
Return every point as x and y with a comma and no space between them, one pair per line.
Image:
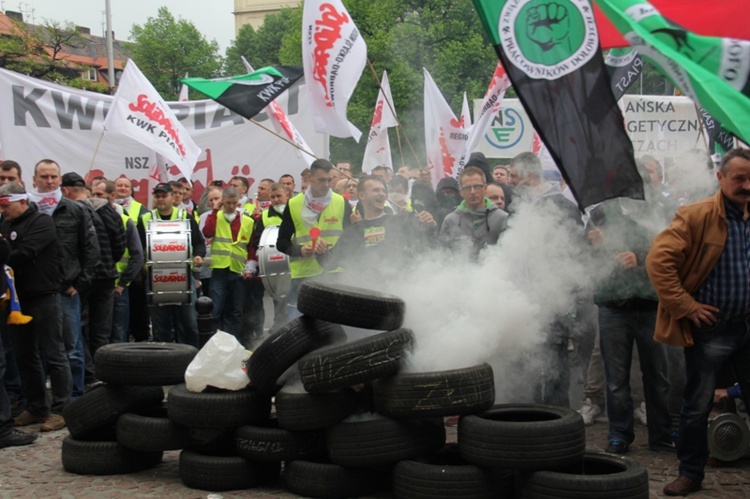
465,118
378,149
283,125
139,112
490,107
445,136
334,55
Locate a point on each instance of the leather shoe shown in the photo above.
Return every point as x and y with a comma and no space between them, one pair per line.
682,486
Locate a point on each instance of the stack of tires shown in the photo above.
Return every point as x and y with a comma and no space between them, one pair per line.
345,414
122,425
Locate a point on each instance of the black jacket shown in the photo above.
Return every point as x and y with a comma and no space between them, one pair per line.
77,245
34,254
110,234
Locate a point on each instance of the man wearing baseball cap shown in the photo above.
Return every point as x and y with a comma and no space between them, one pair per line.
180,317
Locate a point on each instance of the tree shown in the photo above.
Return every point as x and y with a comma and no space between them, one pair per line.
165,49
261,47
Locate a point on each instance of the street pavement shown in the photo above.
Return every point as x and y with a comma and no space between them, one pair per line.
36,471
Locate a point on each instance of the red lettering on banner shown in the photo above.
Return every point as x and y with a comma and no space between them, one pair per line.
327,33
378,116
445,155
163,248
155,113
170,278
276,258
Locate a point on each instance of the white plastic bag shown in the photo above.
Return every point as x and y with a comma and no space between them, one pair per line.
220,363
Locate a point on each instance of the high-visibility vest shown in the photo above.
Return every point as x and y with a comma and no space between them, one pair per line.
227,252
178,214
249,208
268,220
331,225
134,211
122,264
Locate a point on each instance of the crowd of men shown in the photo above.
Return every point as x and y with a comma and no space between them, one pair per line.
78,250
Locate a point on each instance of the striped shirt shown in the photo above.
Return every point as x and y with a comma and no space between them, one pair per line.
728,285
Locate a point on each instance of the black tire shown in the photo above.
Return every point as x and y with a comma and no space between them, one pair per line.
308,411
360,361
523,437
219,473
212,441
286,346
441,393
150,433
104,458
445,475
257,443
331,481
383,440
597,476
217,409
143,364
351,306
100,408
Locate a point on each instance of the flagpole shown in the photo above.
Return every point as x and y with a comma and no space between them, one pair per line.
390,106
96,151
400,150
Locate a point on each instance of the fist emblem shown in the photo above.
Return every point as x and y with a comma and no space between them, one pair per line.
548,25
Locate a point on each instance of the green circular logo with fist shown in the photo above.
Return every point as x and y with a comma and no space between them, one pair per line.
548,38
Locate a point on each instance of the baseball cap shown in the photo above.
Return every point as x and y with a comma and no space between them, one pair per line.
163,187
72,179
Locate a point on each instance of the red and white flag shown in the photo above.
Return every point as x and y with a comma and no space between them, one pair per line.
139,112
281,123
493,100
333,55
378,149
445,136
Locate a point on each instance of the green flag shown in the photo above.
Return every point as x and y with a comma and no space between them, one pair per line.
712,71
248,94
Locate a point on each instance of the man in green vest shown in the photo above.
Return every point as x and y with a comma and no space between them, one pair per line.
139,326
181,318
230,231
319,207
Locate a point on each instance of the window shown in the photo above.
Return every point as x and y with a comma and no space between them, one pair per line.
90,74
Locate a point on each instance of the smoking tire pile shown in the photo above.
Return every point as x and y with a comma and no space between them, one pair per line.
347,422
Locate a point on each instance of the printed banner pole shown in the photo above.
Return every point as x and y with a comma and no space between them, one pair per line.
282,138
96,151
408,142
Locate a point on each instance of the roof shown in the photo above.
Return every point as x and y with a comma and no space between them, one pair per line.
91,52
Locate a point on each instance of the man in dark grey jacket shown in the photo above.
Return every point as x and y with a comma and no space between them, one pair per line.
78,250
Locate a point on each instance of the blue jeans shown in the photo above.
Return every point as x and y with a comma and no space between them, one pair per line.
730,343
120,317
228,294
73,334
619,329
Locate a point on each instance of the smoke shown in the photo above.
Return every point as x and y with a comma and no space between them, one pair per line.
497,308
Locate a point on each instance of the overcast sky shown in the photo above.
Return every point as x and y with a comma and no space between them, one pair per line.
214,18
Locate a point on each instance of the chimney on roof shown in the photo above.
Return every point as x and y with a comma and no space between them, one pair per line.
83,30
16,16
